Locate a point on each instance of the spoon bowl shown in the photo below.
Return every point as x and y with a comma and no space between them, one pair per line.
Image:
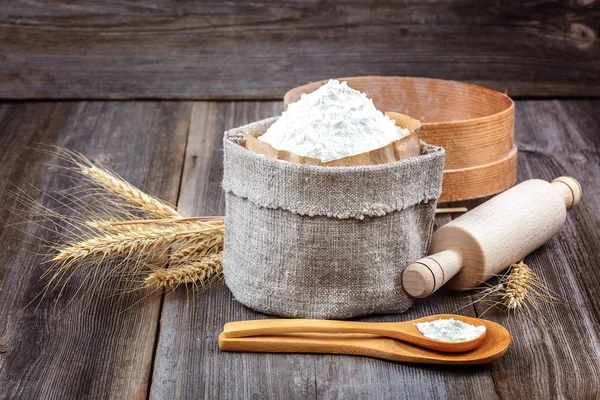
405,331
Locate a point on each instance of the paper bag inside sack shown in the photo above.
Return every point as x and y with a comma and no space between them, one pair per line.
408,146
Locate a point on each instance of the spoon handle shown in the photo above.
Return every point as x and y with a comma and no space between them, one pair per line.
369,346
279,326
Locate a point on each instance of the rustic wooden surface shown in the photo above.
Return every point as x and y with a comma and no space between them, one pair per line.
89,349
260,49
168,349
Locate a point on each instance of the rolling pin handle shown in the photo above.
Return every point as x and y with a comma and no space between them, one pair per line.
423,277
570,189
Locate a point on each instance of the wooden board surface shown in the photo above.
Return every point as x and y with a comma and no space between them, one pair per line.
112,351
260,49
93,348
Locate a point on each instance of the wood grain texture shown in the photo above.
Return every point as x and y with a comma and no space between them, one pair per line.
559,138
96,348
189,363
260,49
489,179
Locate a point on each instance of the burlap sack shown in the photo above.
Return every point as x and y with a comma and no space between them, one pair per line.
324,242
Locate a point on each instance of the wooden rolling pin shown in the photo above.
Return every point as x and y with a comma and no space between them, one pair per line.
486,240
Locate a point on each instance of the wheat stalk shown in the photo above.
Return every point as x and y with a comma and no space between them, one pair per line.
194,272
127,192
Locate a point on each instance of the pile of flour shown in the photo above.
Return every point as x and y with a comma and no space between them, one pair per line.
333,122
450,330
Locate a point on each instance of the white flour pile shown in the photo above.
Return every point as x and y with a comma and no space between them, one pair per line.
450,330
333,122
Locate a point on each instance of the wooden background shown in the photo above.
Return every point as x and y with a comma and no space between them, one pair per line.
260,49
61,64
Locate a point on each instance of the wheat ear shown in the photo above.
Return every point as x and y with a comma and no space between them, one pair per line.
195,272
130,242
516,285
520,288
141,224
116,185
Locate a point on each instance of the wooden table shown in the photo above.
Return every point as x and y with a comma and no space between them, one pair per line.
166,346
148,88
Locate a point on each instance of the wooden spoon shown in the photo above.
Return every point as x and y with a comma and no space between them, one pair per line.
406,331
492,348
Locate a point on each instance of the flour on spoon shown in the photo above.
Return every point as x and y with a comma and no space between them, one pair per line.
450,330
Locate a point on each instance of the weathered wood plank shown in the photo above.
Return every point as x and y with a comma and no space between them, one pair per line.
96,349
558,138
260,49
188,361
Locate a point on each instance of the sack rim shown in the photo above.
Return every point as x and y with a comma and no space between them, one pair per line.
341,192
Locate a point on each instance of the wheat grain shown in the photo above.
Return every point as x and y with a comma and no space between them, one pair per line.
111,226
197,272
126,191
197,247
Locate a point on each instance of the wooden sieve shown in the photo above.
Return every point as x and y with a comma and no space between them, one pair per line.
474,124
